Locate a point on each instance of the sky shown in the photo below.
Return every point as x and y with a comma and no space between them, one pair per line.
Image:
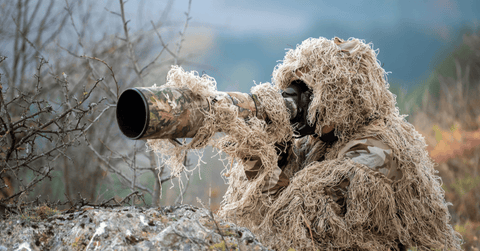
242,41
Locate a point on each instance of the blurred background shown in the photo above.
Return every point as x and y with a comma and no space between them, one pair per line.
431,49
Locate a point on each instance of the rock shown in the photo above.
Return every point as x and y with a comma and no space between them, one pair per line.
182,227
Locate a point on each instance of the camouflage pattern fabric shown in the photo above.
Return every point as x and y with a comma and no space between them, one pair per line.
370,152
374,154
273,183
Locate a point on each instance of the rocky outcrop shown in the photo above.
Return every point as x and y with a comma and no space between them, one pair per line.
182,227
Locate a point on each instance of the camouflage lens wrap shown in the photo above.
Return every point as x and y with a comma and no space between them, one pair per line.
169,112
247,107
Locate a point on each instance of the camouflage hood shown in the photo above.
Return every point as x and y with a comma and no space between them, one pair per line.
349,85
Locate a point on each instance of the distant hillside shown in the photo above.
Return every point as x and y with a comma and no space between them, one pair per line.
409,53
428,90
446,110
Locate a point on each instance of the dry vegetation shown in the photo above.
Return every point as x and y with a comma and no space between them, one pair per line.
63,65
450,123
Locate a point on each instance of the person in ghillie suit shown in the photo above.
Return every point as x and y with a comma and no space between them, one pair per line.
354,176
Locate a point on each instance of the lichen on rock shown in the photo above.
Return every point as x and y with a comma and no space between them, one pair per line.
182,227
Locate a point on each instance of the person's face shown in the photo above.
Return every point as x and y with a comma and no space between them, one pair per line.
300,94
293,92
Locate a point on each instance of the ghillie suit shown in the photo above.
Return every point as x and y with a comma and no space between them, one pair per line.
368,184
371,187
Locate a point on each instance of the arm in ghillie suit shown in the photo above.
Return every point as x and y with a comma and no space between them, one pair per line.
370,152
275,182
337,196
361,194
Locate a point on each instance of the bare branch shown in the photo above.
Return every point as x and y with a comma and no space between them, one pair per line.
29,186
116,171
153,61
40,121
108,66
8,124
30,43
133,166
131,52
114,13
179,198
182,34
69,11
161,41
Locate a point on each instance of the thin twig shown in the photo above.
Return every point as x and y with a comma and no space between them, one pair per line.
73,23
133,166
110,93
128,196
182,34
118,172
62,115
114,13
131,52
8,124
29,42
64,145
108,66
184,189
218,228
28,187
153,61
161,41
